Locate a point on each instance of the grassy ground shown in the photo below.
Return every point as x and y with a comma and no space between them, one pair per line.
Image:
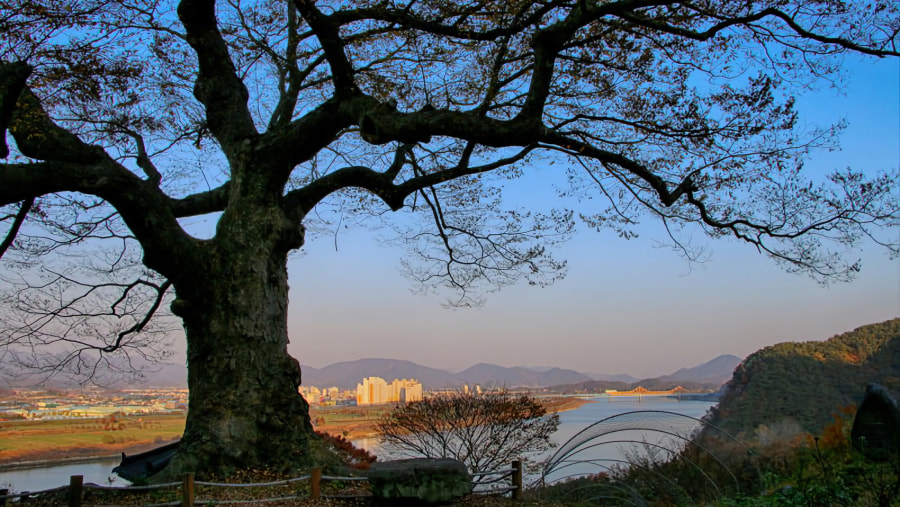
349,422
40,440
33,440
22,441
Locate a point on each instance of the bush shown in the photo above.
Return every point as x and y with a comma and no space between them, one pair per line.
485,432
352,456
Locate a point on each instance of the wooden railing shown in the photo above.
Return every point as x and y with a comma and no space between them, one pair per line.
75,489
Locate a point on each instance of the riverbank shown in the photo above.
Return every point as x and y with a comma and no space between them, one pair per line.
356,424
61,456
558,404
30,444
25,442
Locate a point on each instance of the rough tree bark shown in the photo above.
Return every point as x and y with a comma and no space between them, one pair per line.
244,403
245,408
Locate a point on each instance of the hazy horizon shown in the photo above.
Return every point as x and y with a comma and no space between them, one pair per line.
534,367
626,306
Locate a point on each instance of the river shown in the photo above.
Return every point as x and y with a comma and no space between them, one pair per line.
39,478
571,422
602,455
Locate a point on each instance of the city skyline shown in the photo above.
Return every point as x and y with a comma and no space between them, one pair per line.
375,391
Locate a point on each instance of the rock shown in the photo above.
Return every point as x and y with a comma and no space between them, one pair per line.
420,480
146,464
876,427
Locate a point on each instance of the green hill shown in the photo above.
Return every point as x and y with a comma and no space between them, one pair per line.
808,382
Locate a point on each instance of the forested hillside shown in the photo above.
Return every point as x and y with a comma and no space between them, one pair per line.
808,382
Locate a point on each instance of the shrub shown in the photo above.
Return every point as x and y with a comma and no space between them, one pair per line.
352,456
485,432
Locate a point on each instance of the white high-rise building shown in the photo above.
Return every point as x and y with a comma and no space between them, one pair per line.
374,390
405,391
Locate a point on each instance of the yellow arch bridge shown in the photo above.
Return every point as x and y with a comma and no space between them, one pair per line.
639,392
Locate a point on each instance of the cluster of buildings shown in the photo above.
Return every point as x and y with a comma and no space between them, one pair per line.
375,390
43,405
372,391
89,403
327,396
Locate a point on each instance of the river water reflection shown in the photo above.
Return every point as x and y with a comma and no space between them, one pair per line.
573,421
50,476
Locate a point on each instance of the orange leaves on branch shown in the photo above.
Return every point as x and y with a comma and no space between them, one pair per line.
836,436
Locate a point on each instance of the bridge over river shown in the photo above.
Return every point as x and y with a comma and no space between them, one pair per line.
639,392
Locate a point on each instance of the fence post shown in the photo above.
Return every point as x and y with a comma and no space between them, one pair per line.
4,502
517,480
187,493
75,486
315,484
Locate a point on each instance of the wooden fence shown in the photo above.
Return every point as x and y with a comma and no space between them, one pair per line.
76,487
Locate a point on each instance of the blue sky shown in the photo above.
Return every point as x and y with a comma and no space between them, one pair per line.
626,306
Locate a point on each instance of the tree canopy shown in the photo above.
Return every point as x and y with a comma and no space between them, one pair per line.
808,382
280,118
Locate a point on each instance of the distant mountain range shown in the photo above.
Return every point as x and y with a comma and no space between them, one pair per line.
346,374
622,377
717,371
707,376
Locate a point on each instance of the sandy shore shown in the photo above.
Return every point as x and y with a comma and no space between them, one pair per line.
366,428
564,403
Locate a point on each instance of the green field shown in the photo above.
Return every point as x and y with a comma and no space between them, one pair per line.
339,415
52,439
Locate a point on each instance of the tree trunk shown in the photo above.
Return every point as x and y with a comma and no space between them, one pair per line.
245,410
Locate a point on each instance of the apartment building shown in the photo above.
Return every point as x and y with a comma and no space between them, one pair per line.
375,390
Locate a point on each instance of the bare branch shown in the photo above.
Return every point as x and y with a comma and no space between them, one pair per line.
714,30
218,87
24,208
484,431
329,37
13,77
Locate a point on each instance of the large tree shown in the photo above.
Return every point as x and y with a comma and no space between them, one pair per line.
130,118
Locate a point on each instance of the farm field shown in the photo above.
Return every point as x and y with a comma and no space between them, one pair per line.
70,438
351,422
24,441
